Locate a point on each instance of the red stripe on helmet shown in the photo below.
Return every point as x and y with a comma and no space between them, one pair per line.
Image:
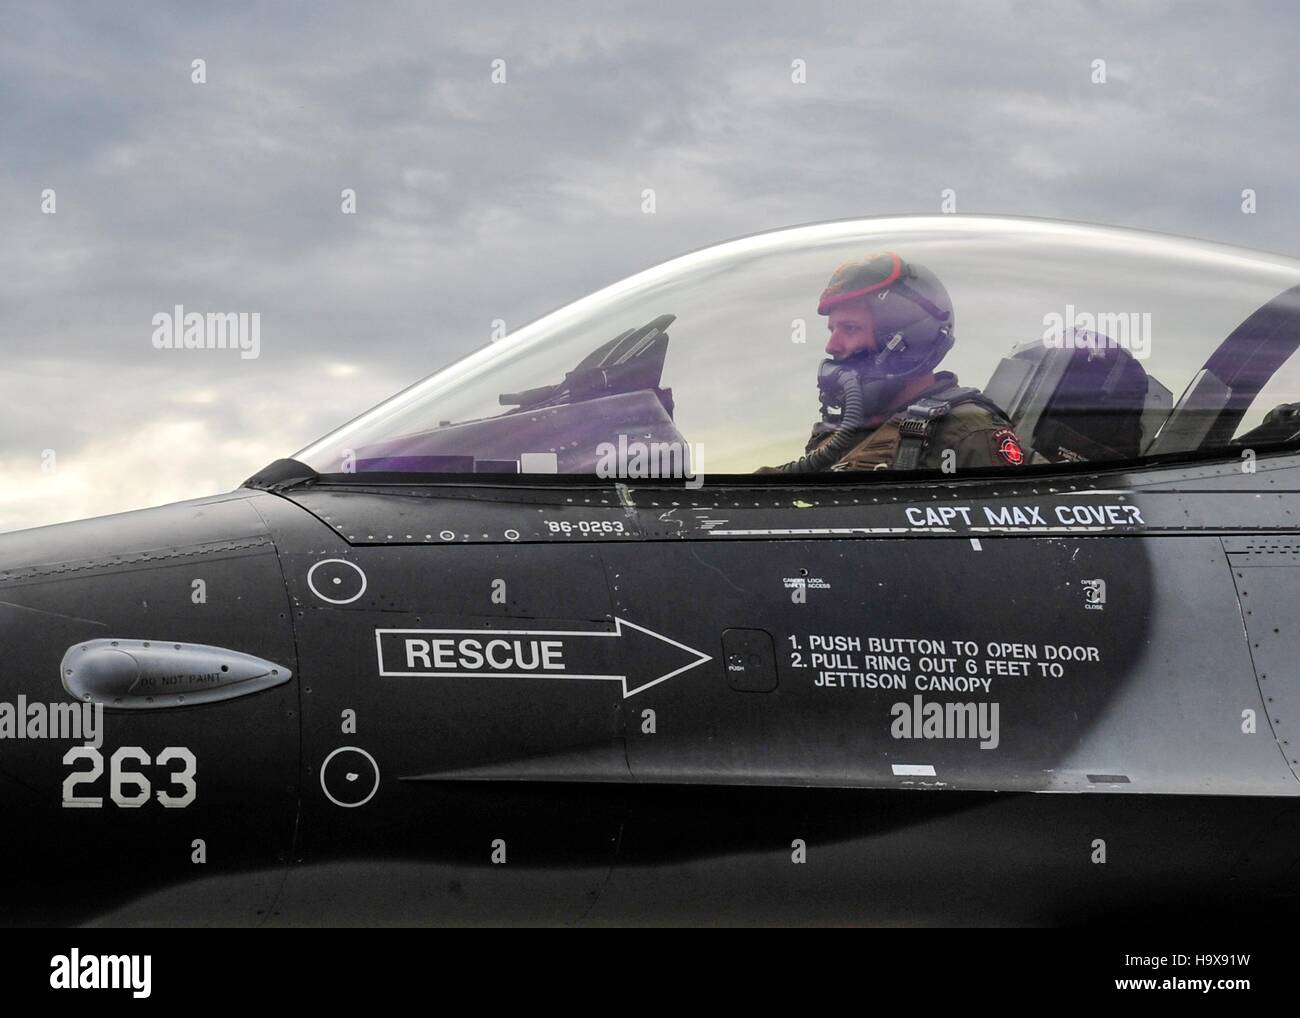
896,270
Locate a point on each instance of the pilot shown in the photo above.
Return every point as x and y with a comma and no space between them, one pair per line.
883,405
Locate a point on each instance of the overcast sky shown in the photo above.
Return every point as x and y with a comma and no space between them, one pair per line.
478,200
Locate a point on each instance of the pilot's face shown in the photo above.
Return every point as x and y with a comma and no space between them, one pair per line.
852,330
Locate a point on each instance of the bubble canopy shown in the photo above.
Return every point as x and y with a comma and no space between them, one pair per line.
717,352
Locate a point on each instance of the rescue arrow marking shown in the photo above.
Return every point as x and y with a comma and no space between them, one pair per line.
446,658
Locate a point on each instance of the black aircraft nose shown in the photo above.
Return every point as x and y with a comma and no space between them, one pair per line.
148,705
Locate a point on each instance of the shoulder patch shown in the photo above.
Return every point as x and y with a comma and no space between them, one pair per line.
1008,446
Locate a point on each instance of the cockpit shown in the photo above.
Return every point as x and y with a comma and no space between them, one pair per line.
1097,345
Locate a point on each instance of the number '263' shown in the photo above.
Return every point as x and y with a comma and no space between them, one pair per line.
130,788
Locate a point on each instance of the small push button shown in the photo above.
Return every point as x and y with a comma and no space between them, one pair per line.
750,660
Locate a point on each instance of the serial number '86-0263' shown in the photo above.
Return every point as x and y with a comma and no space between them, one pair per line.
126,787
585,526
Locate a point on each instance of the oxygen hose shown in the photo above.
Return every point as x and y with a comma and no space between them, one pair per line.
853,411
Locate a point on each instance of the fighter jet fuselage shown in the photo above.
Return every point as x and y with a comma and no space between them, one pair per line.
438,668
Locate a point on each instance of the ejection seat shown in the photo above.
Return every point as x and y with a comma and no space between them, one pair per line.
1087,400
1216,402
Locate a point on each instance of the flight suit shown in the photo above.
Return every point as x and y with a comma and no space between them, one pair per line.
915,437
